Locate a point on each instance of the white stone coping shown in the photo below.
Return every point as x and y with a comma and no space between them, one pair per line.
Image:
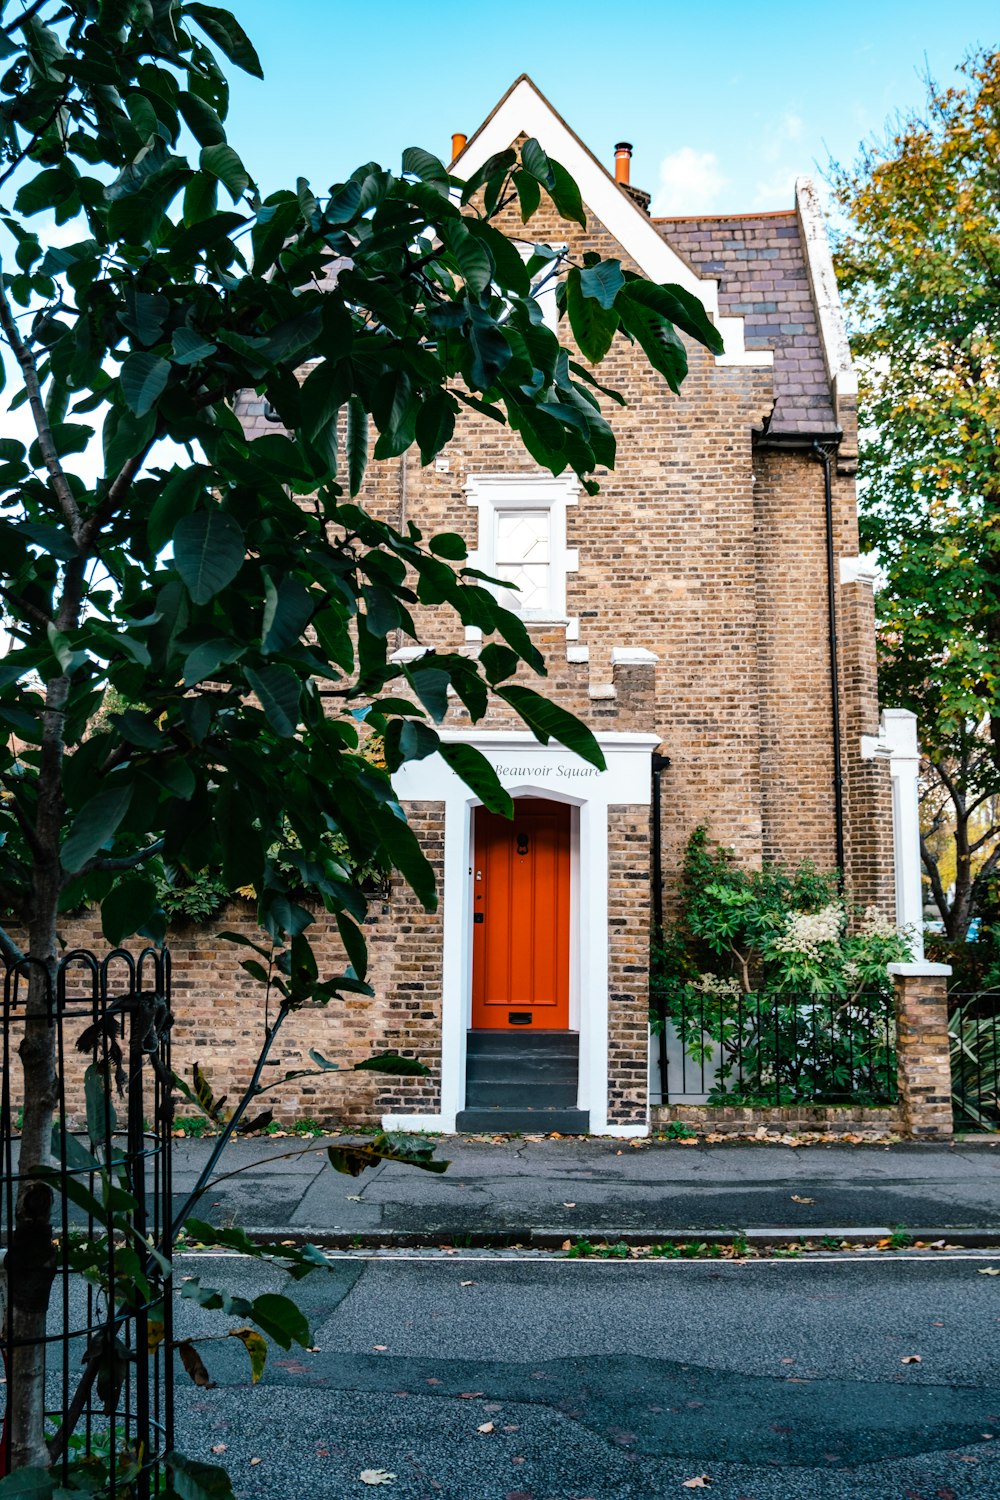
632,656
923,970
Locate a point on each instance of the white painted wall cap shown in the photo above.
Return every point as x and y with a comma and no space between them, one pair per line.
632,656
920,970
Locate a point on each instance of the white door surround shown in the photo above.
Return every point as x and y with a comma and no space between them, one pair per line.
529,769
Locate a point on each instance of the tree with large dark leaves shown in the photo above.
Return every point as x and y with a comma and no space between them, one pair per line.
237,605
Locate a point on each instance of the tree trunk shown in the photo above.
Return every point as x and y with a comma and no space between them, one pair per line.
32,1257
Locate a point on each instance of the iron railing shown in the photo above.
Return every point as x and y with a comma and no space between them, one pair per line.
974,1034
770,1050
109,1340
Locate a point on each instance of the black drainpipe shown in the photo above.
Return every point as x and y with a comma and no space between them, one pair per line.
823,446
660,763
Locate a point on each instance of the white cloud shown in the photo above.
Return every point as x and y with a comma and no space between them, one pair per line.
690,182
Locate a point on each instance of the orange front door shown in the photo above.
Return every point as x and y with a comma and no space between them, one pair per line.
520,944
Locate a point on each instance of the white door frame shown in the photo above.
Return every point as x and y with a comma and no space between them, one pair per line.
527,768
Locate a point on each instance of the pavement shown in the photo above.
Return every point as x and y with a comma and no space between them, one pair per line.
539,1192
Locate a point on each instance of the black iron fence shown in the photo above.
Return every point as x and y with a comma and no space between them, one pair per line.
104,1356
768,1050
974,1033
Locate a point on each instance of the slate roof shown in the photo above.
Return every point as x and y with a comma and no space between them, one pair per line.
759,262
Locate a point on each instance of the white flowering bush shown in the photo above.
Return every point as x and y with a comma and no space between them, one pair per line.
769,977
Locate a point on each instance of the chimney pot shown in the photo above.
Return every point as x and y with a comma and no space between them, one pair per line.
623,159
458,144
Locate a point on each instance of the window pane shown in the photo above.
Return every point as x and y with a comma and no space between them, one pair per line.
522,557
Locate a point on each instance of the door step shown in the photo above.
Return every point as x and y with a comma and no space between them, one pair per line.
479,1121
523,1082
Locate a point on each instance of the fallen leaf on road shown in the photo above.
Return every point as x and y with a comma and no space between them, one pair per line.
569,1205
989,1270
911,1359
698,1482
788,1361
375,1476
567,1244
219,1447
796,1198
514,1427
288,1242
466,1283
353,1198
485,1427
469,1395
255,1461
380,1348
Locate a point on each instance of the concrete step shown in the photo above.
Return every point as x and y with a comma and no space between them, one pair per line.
515,1093
524,1121
531,1068
523,1043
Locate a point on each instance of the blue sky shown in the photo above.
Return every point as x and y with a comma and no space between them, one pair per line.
725,103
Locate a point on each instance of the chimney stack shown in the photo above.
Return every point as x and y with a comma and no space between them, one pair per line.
623,159
458,144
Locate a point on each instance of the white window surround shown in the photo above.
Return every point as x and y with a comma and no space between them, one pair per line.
529,769
493,495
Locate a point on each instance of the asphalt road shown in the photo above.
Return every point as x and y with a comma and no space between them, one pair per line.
611,1381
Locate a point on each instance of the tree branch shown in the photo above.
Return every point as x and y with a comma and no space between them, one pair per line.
22,818
9,949
124,861
31,610
25,359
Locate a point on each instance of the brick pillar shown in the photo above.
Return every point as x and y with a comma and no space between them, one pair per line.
923,1053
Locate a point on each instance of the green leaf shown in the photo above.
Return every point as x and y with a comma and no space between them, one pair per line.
102,1118
357,444
422,164
143,378
681,307
537,163
511,270
281,1320
547,720
391,1062
201,119
224,163
353,939
278,690
431,686
288,608
592,323
190,348
193,1480
435,424
566,195
449,545
221,27
127,908
529,195
655,333
208,552
469,253
28,1484
603,281
479,776
94,825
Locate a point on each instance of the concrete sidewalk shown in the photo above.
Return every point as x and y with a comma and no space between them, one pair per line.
543,1191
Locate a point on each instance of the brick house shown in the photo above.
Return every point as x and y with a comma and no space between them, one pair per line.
707,615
